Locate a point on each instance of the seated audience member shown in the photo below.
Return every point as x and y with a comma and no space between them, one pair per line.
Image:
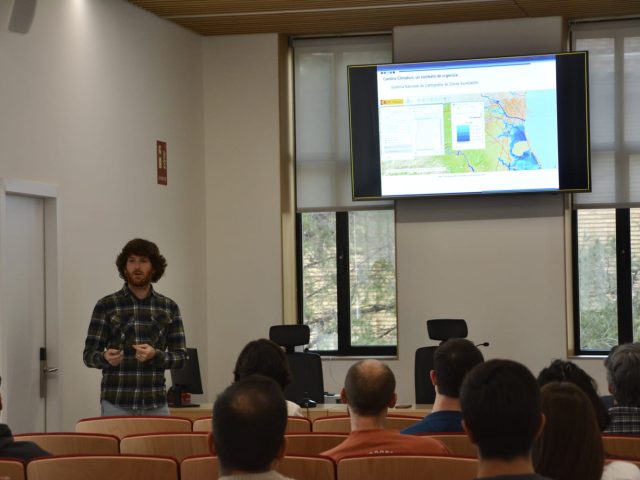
623,376
11,449
369,391
562,371
249,421
451,362
266,358
501,414
570,446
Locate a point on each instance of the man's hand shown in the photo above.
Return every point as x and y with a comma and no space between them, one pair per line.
113,356
144,352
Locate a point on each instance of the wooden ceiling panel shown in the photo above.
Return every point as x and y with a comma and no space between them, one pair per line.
172,8
349,21
578,10
325,17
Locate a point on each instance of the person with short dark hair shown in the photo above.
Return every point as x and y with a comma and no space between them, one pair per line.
134,335
564,371
369,391
623,377
267,358
249,421
452,360
501,414
570,446
9,448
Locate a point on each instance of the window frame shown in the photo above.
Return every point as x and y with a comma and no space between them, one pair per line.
624,286
343,287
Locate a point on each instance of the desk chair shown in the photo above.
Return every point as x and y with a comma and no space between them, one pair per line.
437,329
306,367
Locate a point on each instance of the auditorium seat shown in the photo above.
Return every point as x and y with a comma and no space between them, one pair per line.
621,446
312,443
177,445
121,467
294,424
199,467
457,443
298,424
202,424
342,423
130,425
73,443
401,467
307,467
13,469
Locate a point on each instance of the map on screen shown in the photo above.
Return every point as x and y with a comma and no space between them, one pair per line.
481,125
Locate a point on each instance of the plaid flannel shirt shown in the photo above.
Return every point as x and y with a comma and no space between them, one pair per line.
121,320
624,420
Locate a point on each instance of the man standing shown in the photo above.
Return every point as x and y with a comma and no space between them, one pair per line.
451,362
248,429
369,391
134,335
502,415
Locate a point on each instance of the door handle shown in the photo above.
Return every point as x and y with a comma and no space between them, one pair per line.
44,371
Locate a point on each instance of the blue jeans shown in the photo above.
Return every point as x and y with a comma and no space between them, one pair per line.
108,409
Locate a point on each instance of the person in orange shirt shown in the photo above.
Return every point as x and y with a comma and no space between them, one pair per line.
369,391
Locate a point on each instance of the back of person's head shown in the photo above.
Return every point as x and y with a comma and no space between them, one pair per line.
500,402
265,358
571,443
563,371
370,387
452,360
249,420
623,374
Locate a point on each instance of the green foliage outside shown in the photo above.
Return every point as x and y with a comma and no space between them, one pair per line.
598,281
371,275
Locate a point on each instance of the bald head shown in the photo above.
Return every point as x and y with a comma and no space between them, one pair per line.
369,387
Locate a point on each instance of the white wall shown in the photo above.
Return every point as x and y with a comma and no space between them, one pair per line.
497,262
85,94
244,259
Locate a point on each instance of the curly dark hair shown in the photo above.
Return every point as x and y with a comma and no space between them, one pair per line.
263,357
142,248
565,371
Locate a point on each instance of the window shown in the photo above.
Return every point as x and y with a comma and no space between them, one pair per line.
345,249
606,222
347,278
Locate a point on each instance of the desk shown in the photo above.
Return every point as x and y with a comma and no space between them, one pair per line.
322,410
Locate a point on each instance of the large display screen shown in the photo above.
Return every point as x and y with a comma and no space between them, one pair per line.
460,127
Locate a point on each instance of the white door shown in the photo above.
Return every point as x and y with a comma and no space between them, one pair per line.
23,332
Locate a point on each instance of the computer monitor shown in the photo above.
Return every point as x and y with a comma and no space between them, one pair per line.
185,380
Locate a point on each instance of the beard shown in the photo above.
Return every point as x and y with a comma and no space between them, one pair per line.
138,280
